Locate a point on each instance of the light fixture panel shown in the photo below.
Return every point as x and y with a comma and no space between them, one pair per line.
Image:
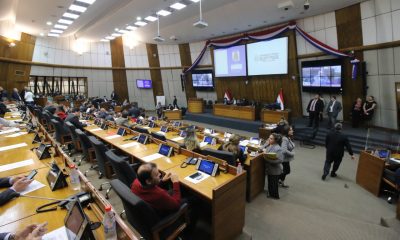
77,8
70,15
65,21
151,18
177,6
87,1
140,23
163,13
59,26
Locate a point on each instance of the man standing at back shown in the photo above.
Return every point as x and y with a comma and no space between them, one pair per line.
335,143
333,110
315,106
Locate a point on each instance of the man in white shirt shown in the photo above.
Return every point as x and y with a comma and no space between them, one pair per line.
29,97
333,110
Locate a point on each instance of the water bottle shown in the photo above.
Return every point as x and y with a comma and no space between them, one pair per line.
239,169
74,178
110,228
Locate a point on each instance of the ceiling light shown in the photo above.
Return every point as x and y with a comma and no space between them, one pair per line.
140,23
151,18
53,35
49,23
59,26
195,1
70,15
41,34
110,37
131,27
56,31
177,6
77,8
163,13
87,1
123,31
65,21
116,29
104,40
116,34
138,18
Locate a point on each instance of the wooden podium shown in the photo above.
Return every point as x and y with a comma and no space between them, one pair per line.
233,111
195,105
270,116
369,172
173,114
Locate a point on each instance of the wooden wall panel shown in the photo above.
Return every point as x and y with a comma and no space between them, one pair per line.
22,51
186,60
265,88
154,61
349,32
119,76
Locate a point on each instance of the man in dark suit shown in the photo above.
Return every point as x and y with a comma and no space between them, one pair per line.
175,103
16,184
333,110
335,142
315,106
73,118
114,96
15,95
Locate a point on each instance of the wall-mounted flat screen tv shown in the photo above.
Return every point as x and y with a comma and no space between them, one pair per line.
322,75
203,80
143,83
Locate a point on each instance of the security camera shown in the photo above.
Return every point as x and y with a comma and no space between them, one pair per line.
306,5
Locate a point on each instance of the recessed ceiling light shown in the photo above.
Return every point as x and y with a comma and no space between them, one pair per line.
70,15
65,21
41,34
131,27
87,1
195,1
77,8
163,13
116,29
177,6
110,37
116,34
140,23
59,26
104,40
53,35
151,18
123,31
56,31
49,23
138,18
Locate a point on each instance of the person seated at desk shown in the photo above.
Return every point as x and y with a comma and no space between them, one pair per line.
91,110
134,112
73,118
51,108
60,112
7,123
16,184
102,113
146,186
191,143
31,232
233,146
123,120
280,125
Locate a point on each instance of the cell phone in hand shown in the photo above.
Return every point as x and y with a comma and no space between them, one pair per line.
31,174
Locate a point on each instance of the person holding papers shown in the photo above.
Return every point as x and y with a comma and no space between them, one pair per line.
147,187
16,184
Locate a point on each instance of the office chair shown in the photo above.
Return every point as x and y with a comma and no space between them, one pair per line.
50,127
74,136
391,176
61,135
229,157
100,150
158,136
145,220
86,146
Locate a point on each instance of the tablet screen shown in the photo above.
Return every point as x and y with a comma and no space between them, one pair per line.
206,167
142,139
164,150
208,139
121,131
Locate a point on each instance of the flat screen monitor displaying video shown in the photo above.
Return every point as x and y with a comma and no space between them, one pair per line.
268,57
143,83
202,79
322,75
230,62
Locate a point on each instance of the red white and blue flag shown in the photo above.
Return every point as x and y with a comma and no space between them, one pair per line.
228,95
279,100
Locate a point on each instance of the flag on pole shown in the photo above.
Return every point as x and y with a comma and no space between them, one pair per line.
279,99
228,95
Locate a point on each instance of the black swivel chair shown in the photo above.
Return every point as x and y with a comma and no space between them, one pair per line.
86,146
39,115
61,135
124,171
47,116
229,157
100,150
145,220
158,136
74,136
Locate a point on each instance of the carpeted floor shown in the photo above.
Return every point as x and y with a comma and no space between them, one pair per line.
311,208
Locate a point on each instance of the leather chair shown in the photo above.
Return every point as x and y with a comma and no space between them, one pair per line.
124,171
49,124
391,176
61,135
100,150
86,146
74,136
229,157
145,220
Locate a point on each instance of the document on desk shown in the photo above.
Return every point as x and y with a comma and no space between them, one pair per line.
19,164
201,177
162,133
16,120
152,157
395,160
35,185
16,134
244,143
146,127
177,139
215,134
95,129
58,234
11,130
127,145
113,137
13,146
203,144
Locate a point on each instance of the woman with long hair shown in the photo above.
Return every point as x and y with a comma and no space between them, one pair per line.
191,143
288,153
233,146
273,163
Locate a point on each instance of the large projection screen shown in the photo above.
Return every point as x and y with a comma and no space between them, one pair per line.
230,62
268,57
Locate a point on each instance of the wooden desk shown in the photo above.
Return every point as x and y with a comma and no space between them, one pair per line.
264,132
369,172
173,114
240,112
195,105
255,176
270,116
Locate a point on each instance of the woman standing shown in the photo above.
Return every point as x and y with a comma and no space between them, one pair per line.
273,163
288,153
369,108
356,112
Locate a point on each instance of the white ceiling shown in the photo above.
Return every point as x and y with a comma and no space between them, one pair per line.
223,16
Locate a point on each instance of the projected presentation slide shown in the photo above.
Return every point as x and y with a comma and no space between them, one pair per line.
268,57
230,62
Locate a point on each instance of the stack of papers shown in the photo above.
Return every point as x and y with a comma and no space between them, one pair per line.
113,136
17,134
95,129
132,144
152,157
11,130
202,144
177,139
35,185
15,165
13,146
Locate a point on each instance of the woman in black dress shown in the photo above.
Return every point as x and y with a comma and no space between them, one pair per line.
369,108
357,112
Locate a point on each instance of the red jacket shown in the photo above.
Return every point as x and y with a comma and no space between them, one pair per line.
62,115
159,199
